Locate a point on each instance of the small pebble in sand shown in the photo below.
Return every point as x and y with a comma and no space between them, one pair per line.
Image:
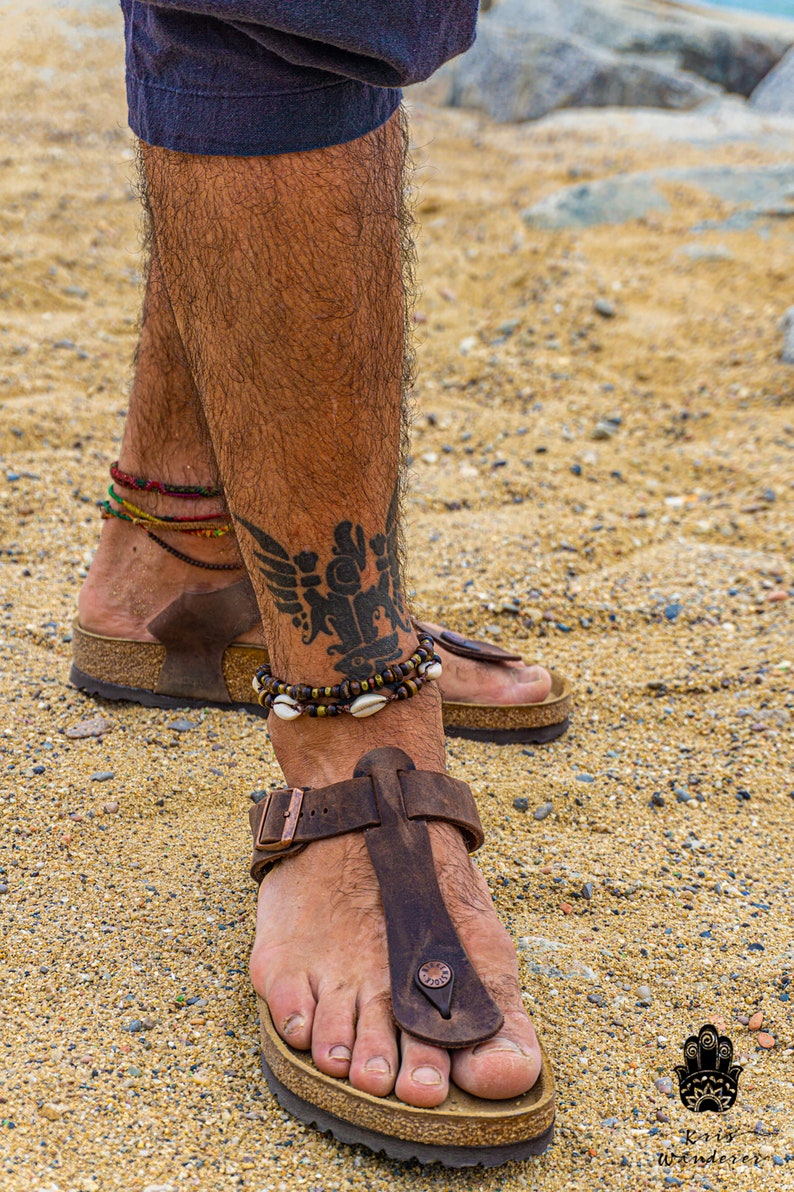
566,908
661,1116
521,804
605,308
53,1113
3,888
544,810
181,725
96,727
644,995
595,998
110,808
777,595
103,775
587,890
757,1021
665,1086
765,1040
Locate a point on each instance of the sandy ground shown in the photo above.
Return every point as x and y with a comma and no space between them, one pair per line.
653,567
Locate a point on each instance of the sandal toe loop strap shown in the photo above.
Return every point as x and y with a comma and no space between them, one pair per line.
466,647
436,993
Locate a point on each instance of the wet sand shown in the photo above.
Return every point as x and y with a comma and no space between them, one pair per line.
652,565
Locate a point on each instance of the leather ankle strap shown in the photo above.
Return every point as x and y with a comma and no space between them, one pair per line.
287,820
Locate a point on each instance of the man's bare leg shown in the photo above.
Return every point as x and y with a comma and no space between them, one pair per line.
132,579
284,275
166,437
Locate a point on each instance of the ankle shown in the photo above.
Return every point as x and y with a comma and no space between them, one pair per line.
319,752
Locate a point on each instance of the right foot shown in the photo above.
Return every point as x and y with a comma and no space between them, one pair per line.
320,958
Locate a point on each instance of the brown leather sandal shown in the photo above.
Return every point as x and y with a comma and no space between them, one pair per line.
436,993
196,662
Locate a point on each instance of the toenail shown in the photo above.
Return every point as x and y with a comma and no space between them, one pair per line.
377,1063
498,1045
340,1052
426,1075
293,1024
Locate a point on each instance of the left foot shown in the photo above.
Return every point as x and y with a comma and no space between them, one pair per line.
467,681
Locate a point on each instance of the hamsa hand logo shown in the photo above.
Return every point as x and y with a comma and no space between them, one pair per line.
709,1080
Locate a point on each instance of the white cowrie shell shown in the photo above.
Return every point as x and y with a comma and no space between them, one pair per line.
431,669
286,708
255,683
368,705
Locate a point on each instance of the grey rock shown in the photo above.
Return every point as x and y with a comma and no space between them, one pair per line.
103,775
631,196
516,77
181,725
665,1086
544,810
596,998
644,995
605,308
707,252
534,56
787,326
774,95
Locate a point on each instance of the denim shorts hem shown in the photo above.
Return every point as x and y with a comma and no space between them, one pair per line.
244,125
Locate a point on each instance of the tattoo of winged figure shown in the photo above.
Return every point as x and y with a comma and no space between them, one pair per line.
364,620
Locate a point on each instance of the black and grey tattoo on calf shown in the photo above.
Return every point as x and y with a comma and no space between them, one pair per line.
364,620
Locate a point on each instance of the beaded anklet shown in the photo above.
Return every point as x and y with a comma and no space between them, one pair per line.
206,525
359,697
188,491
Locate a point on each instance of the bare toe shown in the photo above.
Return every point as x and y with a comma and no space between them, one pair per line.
423,1079
334,1030
375,1056
505,1066
289,999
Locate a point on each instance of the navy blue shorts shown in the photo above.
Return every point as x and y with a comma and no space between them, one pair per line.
253,77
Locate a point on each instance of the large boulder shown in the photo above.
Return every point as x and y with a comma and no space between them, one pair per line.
775,94
532,56
524,78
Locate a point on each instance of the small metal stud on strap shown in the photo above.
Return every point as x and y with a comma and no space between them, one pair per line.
435,979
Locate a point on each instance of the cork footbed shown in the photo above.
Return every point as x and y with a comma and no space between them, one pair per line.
117,668
123,669
463,1131
551,712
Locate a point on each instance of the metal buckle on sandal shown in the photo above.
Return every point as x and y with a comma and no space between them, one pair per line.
291,817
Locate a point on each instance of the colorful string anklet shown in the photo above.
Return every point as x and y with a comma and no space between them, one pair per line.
358,697
208,525
205,525
191,492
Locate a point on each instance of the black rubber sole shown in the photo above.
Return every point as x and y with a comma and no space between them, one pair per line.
511,736
150,699
398,1148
